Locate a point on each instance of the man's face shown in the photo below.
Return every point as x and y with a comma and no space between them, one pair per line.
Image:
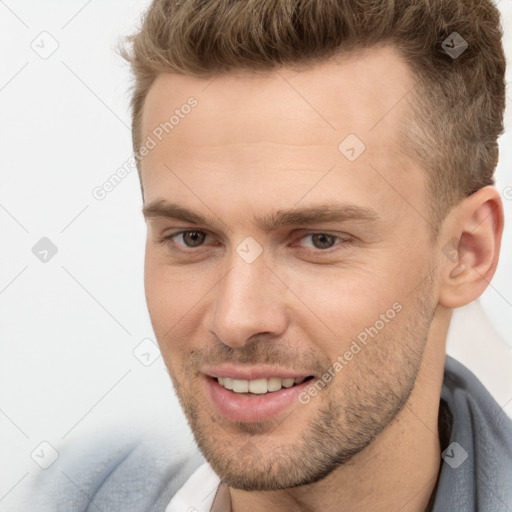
339,295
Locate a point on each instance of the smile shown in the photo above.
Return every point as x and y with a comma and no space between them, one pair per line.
259,386
254,399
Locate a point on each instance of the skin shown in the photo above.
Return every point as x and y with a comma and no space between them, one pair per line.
256,144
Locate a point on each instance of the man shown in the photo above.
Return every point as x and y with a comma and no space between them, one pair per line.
318,190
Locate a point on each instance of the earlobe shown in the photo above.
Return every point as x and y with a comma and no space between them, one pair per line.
470,245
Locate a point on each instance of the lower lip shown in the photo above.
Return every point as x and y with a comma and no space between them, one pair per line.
255,408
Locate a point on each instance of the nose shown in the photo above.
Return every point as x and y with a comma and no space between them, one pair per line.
248,301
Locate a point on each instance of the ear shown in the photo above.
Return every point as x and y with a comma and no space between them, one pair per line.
470,244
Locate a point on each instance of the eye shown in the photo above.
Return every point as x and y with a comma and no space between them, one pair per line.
188,238
322,241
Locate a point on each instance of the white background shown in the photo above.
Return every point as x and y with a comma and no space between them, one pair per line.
69,326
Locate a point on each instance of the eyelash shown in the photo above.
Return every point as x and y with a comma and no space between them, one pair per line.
167,240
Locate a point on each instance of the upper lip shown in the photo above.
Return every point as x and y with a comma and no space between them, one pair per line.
252,372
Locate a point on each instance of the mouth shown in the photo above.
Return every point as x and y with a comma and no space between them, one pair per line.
256,399
261,386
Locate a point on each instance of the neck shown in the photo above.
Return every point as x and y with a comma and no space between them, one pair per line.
397,471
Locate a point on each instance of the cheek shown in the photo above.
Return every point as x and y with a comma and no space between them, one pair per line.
165,299
344,301
175,298
356,303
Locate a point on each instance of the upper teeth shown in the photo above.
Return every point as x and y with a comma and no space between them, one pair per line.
258,386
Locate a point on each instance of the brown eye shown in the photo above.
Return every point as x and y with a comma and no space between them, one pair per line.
319,240
323,240
188,238
193,238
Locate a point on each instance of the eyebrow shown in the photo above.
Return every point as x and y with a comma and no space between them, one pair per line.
331,212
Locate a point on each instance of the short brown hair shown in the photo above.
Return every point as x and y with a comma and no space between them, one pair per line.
456,107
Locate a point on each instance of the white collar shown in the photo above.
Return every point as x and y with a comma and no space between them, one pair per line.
197,493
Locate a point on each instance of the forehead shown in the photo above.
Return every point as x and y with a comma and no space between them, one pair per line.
281,131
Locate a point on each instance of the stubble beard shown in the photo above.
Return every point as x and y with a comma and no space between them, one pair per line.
350,413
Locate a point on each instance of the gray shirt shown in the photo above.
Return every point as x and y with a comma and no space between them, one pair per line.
476,471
